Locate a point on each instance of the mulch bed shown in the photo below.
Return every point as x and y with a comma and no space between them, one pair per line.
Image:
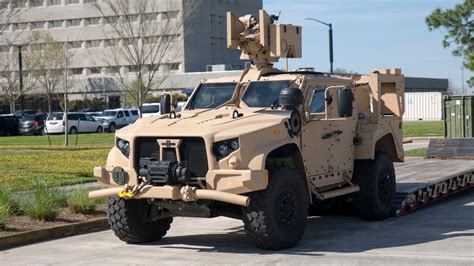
22,223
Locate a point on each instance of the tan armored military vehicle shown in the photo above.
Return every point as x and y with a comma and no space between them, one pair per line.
260,147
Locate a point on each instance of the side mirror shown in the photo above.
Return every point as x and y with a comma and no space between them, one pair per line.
165,104
345,100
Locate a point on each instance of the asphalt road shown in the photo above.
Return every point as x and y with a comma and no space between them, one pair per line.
442,234
416,144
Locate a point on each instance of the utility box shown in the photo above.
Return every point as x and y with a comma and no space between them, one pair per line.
458,116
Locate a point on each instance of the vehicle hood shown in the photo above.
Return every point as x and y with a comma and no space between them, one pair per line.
218,123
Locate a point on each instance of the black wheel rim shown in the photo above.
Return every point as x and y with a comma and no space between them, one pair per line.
287,207
383,186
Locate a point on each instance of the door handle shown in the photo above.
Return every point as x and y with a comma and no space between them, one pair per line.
332,134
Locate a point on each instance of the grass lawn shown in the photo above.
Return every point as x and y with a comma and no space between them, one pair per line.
82,140
18,168
25,158
416,153
423,129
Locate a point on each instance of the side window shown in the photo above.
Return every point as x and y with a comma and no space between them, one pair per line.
318,102
72,117
126,113
120,114
89,118
134,112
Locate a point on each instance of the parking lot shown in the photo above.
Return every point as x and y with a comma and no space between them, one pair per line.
442,234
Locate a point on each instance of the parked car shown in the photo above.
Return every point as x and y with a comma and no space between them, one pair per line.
77,123
25,112
94,114
179,106
32,124
150,109
8,125
116,118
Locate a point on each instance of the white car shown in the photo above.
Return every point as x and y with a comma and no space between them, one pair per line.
116,118
77,123
151,109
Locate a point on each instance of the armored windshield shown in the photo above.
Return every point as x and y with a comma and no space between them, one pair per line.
263,93
212,95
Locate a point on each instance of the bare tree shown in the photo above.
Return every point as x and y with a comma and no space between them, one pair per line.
143,37
7,13
9,77
48,64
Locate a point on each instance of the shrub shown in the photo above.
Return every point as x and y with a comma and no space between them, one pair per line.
5,212
7,200
46,202
79,202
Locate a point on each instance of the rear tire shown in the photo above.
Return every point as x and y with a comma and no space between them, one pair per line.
376,180
73,131
99,130
276,216
130,222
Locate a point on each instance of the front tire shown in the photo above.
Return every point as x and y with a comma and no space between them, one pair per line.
112,128
376,180
131,223
276,216
99,130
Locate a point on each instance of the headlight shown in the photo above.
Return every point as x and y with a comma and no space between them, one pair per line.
124,147
222,149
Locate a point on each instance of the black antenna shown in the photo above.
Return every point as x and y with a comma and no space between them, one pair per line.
274,18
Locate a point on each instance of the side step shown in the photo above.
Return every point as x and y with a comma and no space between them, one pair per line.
420,196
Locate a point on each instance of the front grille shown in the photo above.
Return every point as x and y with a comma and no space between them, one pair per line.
192,151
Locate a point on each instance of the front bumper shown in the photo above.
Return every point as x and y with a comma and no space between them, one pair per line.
222,185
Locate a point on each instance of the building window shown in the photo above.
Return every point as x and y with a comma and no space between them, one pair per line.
56,24
54,2
95,43
213,18
21,26
174,66
77,71
90,1
4,49
221,19
74,45
92,21
74,23
149,17
68,2
95,70
112,42
111,20
132,18
150,40
37,25
170,15
114,70
36,3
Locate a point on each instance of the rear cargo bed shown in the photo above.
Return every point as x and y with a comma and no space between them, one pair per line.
424,181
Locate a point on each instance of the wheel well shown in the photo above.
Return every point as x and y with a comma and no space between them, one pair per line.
387,145
289,155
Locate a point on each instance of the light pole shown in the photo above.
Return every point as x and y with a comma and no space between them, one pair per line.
331,53
20,71
462,80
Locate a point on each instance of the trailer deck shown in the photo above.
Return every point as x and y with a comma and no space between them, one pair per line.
424,181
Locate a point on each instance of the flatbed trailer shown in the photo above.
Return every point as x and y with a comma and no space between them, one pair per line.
424,181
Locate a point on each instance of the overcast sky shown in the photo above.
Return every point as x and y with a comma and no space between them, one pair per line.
372,34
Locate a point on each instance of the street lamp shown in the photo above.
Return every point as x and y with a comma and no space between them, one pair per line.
331,54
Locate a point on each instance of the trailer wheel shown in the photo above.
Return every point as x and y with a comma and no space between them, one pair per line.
276,216
131,222
376,180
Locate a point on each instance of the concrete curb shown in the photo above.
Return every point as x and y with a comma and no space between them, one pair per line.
51,233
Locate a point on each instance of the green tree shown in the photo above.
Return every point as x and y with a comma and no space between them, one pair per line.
459,24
